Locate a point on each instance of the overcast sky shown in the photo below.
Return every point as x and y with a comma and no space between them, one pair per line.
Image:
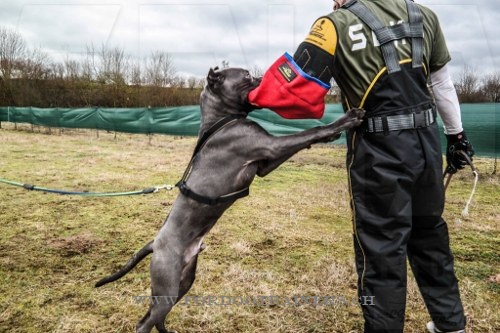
246,33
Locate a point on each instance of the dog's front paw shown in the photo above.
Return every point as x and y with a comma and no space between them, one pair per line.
356,115
352,118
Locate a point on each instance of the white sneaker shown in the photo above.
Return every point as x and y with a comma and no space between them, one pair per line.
433,329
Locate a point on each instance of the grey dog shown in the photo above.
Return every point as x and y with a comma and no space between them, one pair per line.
231,150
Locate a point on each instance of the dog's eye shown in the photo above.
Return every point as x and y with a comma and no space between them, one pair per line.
248,75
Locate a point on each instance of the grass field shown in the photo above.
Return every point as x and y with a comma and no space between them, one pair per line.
291,236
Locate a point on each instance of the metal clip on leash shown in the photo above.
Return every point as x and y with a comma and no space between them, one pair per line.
167,187
465,211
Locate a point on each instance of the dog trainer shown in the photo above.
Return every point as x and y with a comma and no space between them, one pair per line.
389,57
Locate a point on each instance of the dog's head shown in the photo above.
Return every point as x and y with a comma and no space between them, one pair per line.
231,86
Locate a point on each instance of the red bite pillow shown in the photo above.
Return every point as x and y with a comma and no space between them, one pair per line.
290,92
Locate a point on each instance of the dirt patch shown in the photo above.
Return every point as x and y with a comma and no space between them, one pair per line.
74,245
494,279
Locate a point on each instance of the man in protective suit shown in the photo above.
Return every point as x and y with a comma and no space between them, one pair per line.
388,57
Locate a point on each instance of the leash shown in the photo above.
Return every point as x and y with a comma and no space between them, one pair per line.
465,211
30,187
184,189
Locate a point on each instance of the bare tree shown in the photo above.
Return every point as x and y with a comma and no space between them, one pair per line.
112,65
135,73
159,70
72,69
491,87
256,71
334,95
89,64
12,51
179,82
56,71
467,85
34,66
193,82
203,82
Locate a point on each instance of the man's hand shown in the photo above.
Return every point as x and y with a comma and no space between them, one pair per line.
458,145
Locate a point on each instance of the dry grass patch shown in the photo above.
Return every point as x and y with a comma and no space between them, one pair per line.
291,236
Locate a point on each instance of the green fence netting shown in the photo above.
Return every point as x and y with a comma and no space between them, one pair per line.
480,121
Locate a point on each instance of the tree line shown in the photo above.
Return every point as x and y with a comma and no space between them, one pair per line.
102,76
108,77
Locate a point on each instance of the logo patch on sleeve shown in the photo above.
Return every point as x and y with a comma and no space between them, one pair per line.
324,35
287,72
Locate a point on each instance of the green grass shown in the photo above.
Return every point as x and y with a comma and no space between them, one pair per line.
291,236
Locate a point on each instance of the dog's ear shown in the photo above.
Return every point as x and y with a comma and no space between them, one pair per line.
214,78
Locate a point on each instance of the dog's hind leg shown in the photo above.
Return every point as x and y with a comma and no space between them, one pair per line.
189,274
172,284
166,269
188,277
159,326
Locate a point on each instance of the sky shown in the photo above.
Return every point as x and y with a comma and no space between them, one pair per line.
199,34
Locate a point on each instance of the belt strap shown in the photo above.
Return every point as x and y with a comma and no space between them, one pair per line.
401,122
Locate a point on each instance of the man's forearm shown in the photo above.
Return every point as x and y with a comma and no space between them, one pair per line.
447,101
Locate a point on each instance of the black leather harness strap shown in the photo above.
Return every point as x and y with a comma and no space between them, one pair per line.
181,184
212,130
184,189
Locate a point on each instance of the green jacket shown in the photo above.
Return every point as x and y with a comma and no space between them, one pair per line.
357,60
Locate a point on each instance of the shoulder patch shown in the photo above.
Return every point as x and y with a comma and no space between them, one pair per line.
323,35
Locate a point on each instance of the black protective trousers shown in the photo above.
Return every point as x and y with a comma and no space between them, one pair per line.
397,198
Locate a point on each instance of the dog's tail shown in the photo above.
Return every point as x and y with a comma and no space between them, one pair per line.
136,258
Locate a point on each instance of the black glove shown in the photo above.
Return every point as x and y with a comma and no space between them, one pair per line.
458,144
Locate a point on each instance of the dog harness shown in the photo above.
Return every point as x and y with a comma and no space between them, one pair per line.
185,190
